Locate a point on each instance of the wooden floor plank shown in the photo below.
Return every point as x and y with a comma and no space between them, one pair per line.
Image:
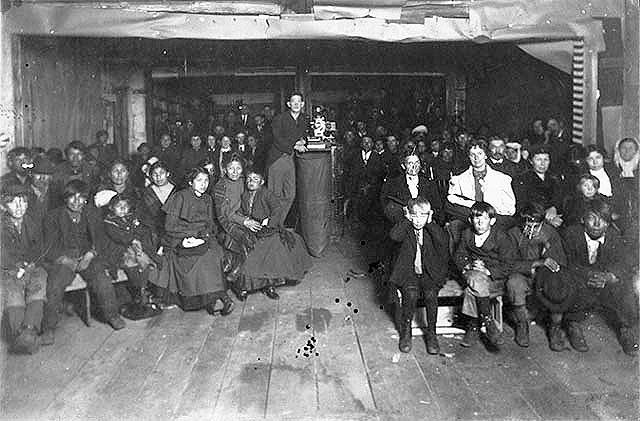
244,389
342,379
73,402
34,387
118,395
198,400
398,385
292,390
162,390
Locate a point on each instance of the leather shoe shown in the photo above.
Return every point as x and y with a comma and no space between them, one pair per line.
405,336
628,341
116,323
433,347
557,341
271,293
576,337
242,295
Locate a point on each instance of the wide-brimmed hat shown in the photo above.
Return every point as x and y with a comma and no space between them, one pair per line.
42,165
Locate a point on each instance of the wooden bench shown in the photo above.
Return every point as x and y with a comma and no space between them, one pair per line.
79,284
449,303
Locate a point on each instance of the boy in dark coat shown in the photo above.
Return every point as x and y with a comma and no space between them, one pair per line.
24,281
484,257
420,268
602,270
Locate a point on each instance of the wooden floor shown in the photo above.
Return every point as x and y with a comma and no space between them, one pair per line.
326,350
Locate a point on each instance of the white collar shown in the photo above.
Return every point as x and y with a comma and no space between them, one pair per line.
592,241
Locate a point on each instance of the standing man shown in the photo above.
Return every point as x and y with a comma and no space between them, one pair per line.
289,133
107,152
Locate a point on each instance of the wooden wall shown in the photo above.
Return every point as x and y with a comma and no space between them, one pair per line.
58,91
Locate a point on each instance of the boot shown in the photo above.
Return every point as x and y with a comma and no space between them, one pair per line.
557,341
494,336
405,336
27,341
47,337
116,322
431,304
227,304
472,334
522,326
271,293
141,307
227,262
628,340
576,337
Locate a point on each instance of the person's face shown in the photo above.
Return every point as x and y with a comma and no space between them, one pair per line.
462,140
211,141
22,163
218,131
145,151
511,154
349,138
240,138
41,181
446,135
409,146
360,126
102,138
379,145
165,141
553,126
234,170
588,188
119,174
482,223
75,157
497,149
478,157
538,127
412,165
420,215
76,202
595,161
251,141
160,176
17,207
627,150
447,155
540,163
254,181
225,142
422,147
594,225
258,120
435,146
200,183
392,144
121,208
196,142
295,104
367,144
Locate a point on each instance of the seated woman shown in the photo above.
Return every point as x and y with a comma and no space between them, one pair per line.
586,191
118,182
191,258
129,245
155,196
278,255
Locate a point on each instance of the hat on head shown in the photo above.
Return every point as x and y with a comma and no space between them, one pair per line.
513,145
43,165
420,129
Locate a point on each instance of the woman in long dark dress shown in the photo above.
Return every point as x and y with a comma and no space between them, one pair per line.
155,196
191,264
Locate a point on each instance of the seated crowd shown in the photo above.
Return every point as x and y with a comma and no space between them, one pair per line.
539,222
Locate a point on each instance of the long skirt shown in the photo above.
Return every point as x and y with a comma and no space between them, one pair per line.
273,263
192,277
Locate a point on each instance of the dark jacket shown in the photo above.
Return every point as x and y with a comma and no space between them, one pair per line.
265,205
614,256
435,255
547,244
286,132
395,194
63,237
498,253
26,246
358,175
120,233
529,188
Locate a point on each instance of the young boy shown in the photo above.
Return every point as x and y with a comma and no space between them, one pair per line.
484,257
23,278
421,267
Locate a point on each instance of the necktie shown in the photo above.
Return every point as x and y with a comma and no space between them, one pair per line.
417,262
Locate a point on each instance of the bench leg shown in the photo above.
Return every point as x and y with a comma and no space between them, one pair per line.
496,309
87,307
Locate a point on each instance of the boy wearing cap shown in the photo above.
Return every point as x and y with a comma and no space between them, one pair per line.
23,279
20,162
39,192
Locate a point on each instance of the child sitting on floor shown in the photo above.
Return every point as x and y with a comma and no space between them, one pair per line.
129,246
23,279
421,268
